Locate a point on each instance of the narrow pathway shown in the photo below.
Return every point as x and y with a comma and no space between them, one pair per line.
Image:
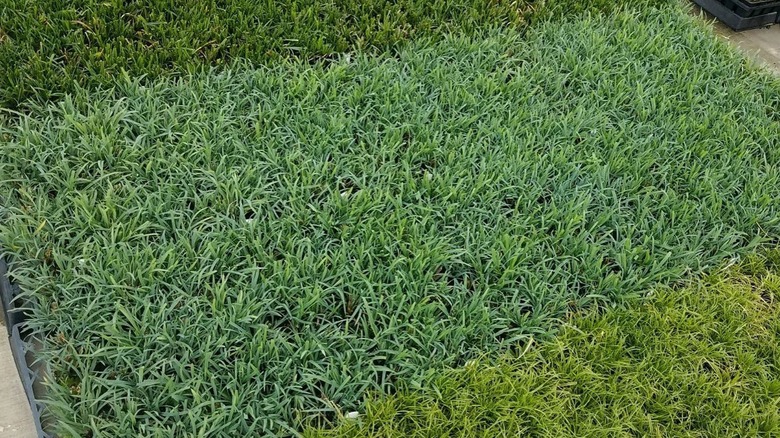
761,44
15,416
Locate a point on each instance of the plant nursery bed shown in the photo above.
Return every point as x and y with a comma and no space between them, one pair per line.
47,47
693,360
252,251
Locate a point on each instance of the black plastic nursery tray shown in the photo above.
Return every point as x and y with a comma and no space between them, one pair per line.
741,14
22,346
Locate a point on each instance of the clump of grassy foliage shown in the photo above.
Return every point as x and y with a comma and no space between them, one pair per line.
703,360
242,252
47,47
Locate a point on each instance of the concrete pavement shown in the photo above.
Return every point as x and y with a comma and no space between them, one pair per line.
16,419
762,44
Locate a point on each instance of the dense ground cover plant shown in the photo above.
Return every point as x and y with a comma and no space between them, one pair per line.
241,252
47,47
703,360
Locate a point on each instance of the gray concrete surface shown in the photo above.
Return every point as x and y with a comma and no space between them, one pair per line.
15,415
761,44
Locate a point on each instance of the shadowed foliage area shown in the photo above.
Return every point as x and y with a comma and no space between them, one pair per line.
700,361
48,47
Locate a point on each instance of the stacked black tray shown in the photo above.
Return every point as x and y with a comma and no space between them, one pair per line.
743,14
22,346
